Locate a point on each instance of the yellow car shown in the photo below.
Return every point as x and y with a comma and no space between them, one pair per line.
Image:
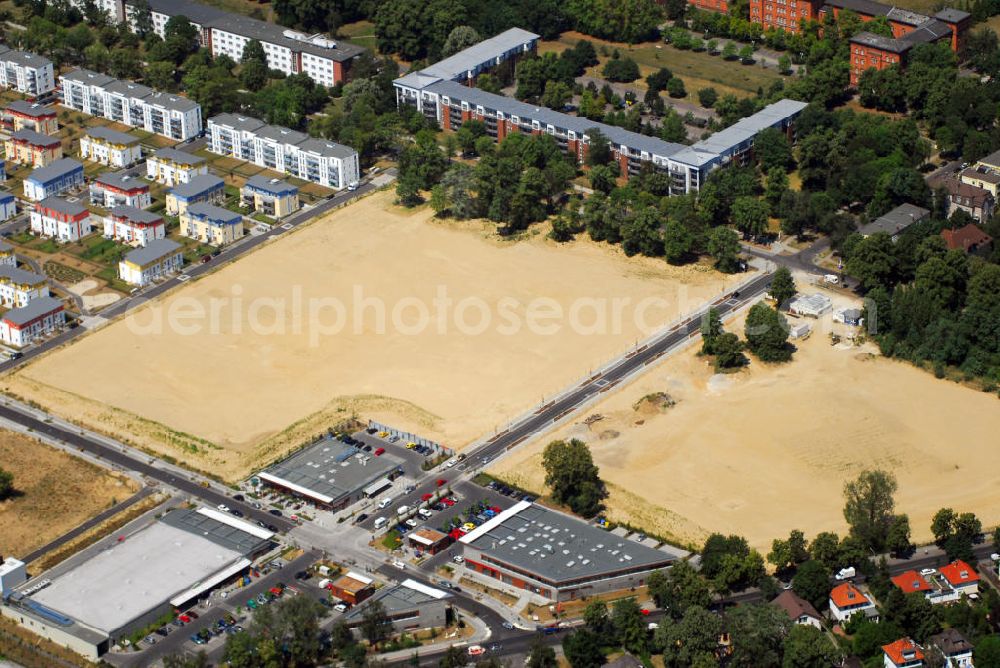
469,526
411,445
383,434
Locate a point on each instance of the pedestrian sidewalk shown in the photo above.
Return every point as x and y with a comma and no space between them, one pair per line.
482,634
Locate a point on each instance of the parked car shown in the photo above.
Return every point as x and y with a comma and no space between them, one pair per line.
384,503
361,518
275,512
223,507
476,650
197,639
412,523
340,607
379,452
458,559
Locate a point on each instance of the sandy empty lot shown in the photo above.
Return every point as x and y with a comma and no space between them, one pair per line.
56,491
767,450
229,391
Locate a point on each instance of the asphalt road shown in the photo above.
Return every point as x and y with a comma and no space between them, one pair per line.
227,255
647,354
207,494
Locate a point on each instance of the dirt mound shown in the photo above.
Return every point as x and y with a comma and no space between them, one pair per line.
609,434
656,402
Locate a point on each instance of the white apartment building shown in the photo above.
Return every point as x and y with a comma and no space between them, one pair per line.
130,103
19,287
134,226
284,150
25,72
323,59
156,260
61,220
112,189
110,147
114,10
171,167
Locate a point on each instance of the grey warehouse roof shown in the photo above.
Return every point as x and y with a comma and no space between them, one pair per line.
408,595
896,220
34,309
483,53
332,469
110,135
152,251
558,547
62,206
224,535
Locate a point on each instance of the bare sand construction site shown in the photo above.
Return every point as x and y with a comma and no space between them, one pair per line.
236,386
768,449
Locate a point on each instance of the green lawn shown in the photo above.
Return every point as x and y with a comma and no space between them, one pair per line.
696,69
361,33
102,251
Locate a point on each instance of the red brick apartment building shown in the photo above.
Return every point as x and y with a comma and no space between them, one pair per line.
784,15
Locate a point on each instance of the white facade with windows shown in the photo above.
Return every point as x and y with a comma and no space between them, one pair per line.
21,326
25,72
110,147
19,287
133,104
284,150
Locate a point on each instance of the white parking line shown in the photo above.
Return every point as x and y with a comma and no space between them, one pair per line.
183,277
287,226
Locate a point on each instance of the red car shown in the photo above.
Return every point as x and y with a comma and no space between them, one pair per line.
448,501
441,482
426,497
379,452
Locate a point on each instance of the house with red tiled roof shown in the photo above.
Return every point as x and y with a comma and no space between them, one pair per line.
912,581
969,239
962,578
846,600
904,653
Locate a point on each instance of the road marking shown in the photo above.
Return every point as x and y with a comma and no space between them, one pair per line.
287,226
183,277
602,383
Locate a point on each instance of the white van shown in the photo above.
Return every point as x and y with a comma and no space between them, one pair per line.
384,503
402,510
380,522
426,514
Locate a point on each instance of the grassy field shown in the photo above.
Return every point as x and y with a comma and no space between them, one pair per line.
361,33
697,69
55,492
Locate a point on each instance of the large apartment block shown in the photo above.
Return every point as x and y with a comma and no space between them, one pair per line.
132,104
451,104
25,72
283,150
324,60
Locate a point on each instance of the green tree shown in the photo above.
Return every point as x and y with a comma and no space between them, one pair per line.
583,649
711,330
772,149
678,241
730,51
825,548
6,484
124,64
729,352
777,185
812,582
679,589
750,215
598,148
630,21
375,623
987,651
758,633
541,656
869,505
784,64
603,178
454,657
254,51
782,286
675,88
624,70
629,625
572,476
873,261
898,539
459,39
690,641
595,616
707,97
724,246
160,75
766,334
199,660
808,647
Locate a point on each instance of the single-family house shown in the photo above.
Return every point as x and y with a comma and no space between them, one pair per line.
969,238
60,176
799,610
21,114
19,287
158,259
28,147
912,581
846,600
211,224
272,197
61,220
134,226
975,201
961,577
202,188
112,189
170,166
21,326
110,147
956,650
903,653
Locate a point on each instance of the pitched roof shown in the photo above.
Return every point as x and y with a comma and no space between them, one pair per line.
154,250
952,15
896,650
974,195
20,275
959,573
951,642
271,186
911,581
795,605
33,310
965,238
896,220
846,595
482,53
214,214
